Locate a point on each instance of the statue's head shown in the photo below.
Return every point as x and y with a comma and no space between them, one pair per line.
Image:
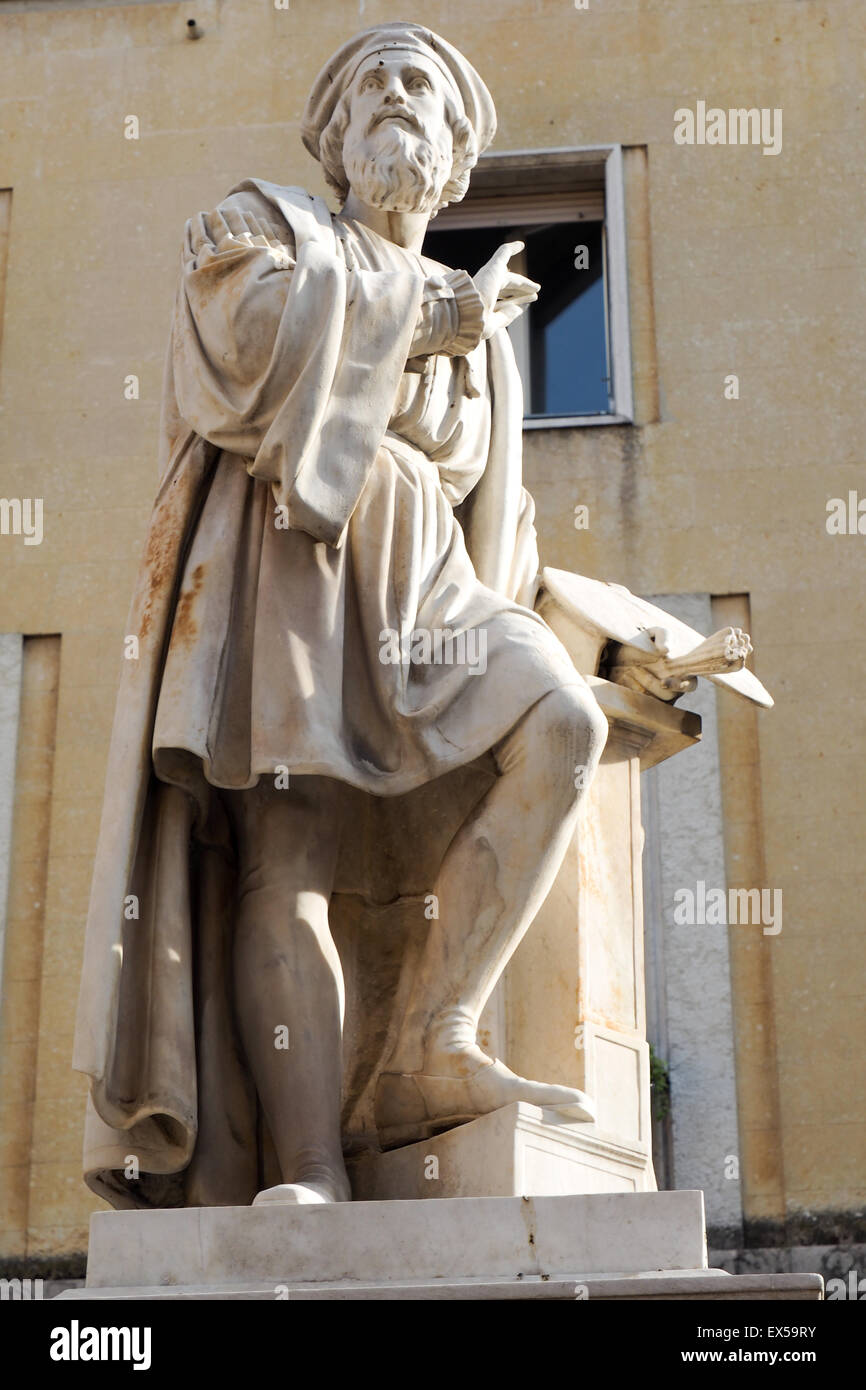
399,117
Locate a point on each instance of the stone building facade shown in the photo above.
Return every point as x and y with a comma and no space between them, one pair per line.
733,332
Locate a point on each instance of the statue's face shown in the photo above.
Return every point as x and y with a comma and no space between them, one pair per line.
403,90
398,146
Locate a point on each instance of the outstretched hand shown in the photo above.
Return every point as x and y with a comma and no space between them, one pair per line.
504,293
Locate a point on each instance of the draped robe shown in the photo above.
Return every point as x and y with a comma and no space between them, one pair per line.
330,472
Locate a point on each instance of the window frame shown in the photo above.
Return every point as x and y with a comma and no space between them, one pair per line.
562,169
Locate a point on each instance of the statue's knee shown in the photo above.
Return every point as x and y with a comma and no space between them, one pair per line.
596,726
574,731
572,716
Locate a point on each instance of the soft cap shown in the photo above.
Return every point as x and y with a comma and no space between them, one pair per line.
339,71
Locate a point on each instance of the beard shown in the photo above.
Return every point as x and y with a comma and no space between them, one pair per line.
398,170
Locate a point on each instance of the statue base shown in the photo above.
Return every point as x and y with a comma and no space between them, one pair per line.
599,1246
517,1150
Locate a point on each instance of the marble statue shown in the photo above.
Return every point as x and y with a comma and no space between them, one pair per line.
345,699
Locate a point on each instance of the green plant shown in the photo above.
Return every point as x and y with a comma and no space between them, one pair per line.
660,1086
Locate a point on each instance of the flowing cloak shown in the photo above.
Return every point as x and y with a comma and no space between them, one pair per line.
292,392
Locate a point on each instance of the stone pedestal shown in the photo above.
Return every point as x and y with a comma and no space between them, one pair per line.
609,1245
573,998
517,1151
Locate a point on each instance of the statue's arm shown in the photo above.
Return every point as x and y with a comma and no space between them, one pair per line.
230,324
451,320
240,335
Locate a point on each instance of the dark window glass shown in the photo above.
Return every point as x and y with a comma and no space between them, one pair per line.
568,354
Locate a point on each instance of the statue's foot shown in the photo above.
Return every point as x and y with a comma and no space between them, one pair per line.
304,1194
416,1105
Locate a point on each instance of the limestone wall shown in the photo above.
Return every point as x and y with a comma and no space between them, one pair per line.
739,263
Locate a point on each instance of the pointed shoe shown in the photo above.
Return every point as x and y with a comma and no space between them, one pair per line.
412,1106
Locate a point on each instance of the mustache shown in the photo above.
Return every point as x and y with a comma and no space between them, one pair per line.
389,113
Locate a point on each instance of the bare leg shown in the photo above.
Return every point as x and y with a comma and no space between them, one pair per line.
288,977
496,874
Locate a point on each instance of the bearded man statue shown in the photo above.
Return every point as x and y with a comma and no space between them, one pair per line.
340,502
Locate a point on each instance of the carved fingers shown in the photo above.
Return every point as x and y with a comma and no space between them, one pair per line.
227,230
504,293
650,682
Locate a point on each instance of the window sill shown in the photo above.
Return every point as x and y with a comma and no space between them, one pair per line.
558,422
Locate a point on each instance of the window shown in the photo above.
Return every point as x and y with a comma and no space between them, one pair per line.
572,345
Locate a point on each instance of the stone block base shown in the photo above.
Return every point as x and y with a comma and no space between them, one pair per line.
601,1246
517,1151
659,1286
607,1245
